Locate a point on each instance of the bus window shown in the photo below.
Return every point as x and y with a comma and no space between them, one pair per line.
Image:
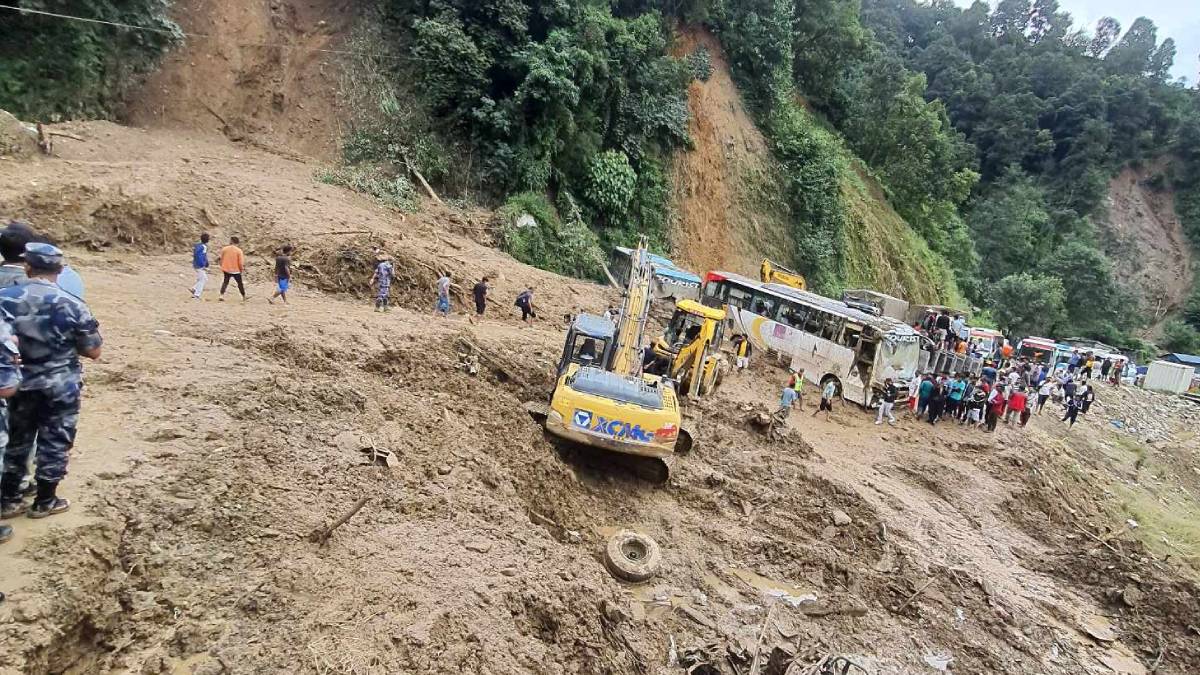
716,290
832,329
764,305
815,320
851,337
739,298
792,314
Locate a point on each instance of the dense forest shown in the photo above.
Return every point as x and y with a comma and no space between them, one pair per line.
994,132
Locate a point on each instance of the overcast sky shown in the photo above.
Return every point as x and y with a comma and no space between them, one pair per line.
1179,19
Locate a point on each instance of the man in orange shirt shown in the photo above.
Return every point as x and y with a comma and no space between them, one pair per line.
233,264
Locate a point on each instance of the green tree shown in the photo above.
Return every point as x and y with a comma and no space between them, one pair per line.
54,69
1094,303
1108,30
1181,338
1134,52
1024,304
1007,223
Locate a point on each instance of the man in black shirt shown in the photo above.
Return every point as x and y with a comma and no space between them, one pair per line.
943,326
480,291
283,275
887,402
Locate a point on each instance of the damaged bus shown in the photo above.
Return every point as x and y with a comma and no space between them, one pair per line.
826,337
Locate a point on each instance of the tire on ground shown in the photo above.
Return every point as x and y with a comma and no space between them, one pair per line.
632,556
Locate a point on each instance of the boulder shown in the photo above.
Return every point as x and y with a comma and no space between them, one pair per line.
16,139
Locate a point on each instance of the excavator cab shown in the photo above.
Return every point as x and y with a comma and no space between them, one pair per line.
589,343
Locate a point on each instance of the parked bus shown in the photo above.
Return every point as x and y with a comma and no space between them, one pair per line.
826,337
1038,350
985,341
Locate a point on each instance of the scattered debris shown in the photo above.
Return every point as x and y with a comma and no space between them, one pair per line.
321,535
841,518
939,662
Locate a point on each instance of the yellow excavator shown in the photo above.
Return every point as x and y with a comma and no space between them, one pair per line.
603,398
774,273
688,349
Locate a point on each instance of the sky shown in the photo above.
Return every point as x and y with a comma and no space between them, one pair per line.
1178,19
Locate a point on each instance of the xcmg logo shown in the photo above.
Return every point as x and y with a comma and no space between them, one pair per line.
613,428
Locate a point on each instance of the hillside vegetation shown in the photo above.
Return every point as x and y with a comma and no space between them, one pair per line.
946,154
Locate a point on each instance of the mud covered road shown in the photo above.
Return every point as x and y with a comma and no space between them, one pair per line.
216,436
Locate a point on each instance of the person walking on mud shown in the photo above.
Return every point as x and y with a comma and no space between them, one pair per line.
887,402
828,392
525,303
1071,412
54,329
283,275
200,265
480,294
741,350
233,266
381,281
442,307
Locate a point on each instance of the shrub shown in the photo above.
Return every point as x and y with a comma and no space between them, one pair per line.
532,232
699,62
611,181
388,189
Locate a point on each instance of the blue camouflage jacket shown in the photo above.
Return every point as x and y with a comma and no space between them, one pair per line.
52,327
10,374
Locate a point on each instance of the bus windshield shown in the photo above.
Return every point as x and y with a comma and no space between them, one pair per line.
898,360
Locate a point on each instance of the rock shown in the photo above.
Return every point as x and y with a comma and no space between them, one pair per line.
699,597
613,612
1131,596
143,602
829,532
444,470
348,441
16,139
479,546
510,571
1099,629
841,518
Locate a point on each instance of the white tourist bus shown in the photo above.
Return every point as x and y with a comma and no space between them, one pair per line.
826,337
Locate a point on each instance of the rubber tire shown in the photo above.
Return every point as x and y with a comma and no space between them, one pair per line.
642,566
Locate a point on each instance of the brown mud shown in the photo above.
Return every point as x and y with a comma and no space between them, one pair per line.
216,436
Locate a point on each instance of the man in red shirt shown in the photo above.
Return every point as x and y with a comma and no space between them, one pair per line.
1017,403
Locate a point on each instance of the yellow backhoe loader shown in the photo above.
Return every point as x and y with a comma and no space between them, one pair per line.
689,348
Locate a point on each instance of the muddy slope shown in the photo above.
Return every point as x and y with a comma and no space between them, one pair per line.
1143,235
259,72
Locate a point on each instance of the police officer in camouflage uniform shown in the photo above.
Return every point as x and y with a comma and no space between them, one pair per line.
10,377
53,328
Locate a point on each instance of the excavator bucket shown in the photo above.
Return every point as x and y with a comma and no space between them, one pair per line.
538,411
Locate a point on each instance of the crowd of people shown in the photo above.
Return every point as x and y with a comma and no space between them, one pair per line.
45,327
1011,393
1001,393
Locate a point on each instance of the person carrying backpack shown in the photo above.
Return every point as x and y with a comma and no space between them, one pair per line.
525,302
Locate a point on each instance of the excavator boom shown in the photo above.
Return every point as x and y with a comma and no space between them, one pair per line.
631,324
